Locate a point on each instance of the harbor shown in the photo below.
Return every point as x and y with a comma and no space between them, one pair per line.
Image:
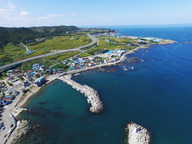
91,94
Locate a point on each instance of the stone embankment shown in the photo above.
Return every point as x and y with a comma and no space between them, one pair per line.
22,128
90,93
137,134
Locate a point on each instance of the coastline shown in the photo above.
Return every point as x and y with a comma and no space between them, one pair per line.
51,78
54,77
34,90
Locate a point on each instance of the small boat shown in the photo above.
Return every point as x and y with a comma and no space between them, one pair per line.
88,100
125,69
132,68
76,74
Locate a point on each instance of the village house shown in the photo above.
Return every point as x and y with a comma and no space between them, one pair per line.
40,81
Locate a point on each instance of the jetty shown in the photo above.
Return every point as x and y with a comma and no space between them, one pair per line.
188,42
137,134
91,94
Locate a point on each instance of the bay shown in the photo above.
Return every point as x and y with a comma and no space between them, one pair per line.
156,94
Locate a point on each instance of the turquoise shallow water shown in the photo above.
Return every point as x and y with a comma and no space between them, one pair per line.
156,94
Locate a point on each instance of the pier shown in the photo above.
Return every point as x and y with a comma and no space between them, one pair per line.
90,93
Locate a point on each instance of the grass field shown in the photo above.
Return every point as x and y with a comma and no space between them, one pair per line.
13,53
62,42
117,43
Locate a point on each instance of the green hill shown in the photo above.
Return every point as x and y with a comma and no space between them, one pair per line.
17,35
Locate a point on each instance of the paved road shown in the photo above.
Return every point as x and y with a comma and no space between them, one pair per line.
8,119
94,40
25,47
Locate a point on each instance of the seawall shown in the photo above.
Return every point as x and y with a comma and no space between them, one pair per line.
90,93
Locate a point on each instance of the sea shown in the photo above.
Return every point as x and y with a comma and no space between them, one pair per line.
155,91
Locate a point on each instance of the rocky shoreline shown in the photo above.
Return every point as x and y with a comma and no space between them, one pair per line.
137,134
22,128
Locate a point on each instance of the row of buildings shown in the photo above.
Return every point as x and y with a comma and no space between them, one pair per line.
80,63
8,97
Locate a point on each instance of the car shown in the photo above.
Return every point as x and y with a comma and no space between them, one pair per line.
11,125
2,128
5,135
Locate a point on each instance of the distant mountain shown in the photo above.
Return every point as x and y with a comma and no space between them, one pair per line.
55,30
17,35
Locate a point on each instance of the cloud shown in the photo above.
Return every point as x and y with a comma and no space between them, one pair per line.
24,13
6,11
13,16
11,6
73,14
51,16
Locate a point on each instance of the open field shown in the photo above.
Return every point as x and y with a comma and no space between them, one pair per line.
117,43
62,42
12,53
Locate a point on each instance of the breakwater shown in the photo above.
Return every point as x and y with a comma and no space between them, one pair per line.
90,93
137,134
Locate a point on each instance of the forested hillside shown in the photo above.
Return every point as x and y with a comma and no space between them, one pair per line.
17,35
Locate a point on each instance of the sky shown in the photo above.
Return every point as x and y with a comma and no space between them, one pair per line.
27,13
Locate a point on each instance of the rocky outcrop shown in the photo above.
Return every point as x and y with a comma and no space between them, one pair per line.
22,128
137,134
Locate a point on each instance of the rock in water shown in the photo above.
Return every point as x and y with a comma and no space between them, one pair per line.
137,134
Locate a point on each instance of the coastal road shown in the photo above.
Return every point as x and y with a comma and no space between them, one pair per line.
8,119
94,41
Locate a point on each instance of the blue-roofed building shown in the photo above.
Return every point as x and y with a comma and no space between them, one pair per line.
1,103
106,40
155,40
69,64
110,52
76,61
48,71
91,58
12,97
35,68
4,102
40,81
36,65
80,59
65,61
42,67
71,68
29,52
30,75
